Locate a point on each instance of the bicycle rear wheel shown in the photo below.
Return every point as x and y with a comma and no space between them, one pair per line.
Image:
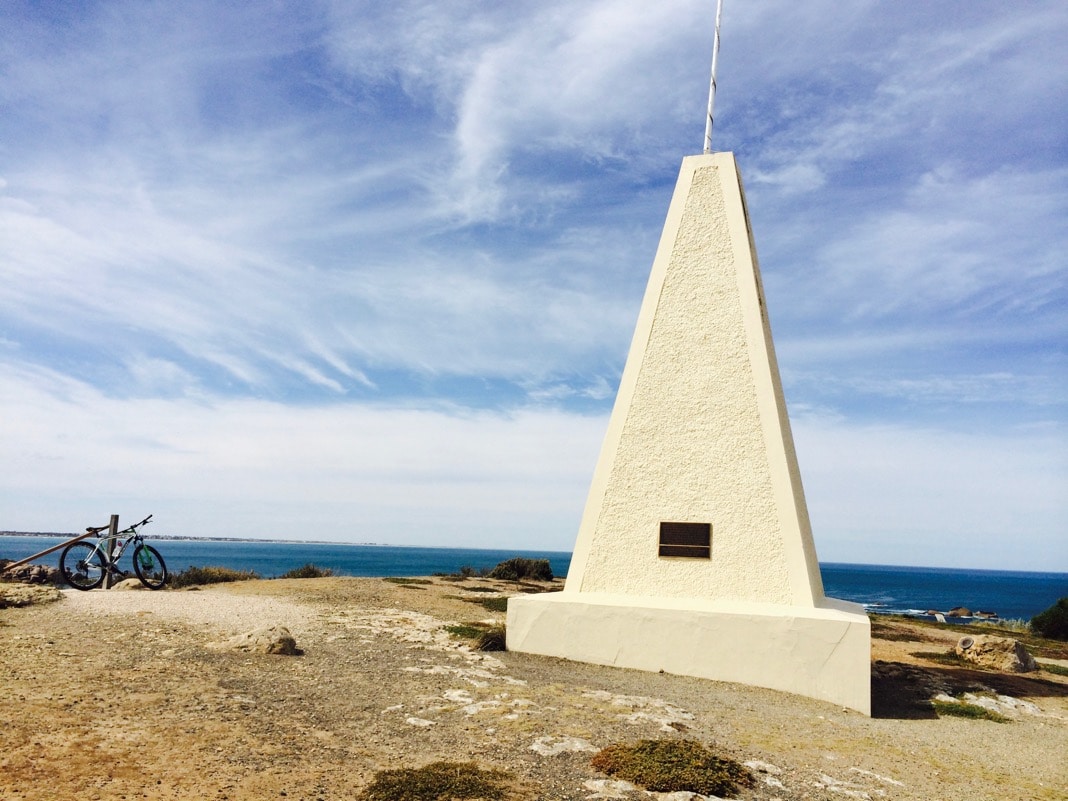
82,566
149,567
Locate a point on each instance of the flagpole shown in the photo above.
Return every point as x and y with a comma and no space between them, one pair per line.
712,84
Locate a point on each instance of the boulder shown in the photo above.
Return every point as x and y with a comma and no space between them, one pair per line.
30,574
128,584
997,653
269,640
959,611
27,595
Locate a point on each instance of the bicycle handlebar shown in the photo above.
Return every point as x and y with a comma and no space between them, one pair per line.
128,530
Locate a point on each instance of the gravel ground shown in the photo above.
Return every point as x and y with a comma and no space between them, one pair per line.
133,694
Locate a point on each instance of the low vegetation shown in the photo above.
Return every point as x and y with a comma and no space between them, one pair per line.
493,639
464,573
906,628
468,631
522,568
438,780
963,709
1004,626
406,581
196,576
669,766
484,636
1053,623
308,571
943,658
499,604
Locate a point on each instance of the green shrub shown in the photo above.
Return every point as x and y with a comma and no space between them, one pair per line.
439,780
962,709
464,573
1006,626
467,631
492,604
522,568
193,576
1053,623
669,766
308,571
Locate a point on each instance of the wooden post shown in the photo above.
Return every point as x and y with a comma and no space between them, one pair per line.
113,530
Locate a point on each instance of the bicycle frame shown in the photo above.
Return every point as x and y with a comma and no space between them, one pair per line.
112,556
111,560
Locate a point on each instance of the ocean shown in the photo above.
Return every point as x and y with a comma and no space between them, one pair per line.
880,588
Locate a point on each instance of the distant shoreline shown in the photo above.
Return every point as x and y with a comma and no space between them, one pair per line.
189,538
185,537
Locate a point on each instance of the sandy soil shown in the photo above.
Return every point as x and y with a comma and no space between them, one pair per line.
128,695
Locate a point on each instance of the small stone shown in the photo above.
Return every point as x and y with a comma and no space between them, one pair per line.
269,640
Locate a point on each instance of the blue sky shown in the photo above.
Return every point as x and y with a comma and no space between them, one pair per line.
361,271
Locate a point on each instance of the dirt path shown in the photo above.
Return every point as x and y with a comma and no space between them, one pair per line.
109,695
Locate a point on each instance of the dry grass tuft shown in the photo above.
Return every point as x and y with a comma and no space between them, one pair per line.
493,640
669,766
438,780
196,576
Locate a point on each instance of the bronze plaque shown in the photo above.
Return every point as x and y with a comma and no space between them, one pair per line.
692,540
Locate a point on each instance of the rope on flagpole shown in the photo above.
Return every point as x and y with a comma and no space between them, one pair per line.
712,84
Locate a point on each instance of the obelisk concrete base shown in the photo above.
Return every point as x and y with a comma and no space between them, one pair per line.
821,652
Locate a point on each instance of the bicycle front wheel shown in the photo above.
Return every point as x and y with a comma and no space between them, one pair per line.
149,567
82,566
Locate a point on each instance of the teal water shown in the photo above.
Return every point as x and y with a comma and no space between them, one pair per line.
880,588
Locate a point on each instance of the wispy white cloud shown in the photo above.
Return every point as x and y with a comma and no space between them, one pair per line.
258,468
329,216
947,247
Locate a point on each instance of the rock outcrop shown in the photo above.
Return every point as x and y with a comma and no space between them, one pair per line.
128,584
997,653
30,574
269,640
19,594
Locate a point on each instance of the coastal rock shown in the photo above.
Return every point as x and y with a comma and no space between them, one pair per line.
30,574
998,653
129,584
269,640
552,746
27,595
959,611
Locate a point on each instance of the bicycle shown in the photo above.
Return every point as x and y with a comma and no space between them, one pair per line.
84,564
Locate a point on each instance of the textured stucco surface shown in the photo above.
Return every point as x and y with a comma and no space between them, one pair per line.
699,432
